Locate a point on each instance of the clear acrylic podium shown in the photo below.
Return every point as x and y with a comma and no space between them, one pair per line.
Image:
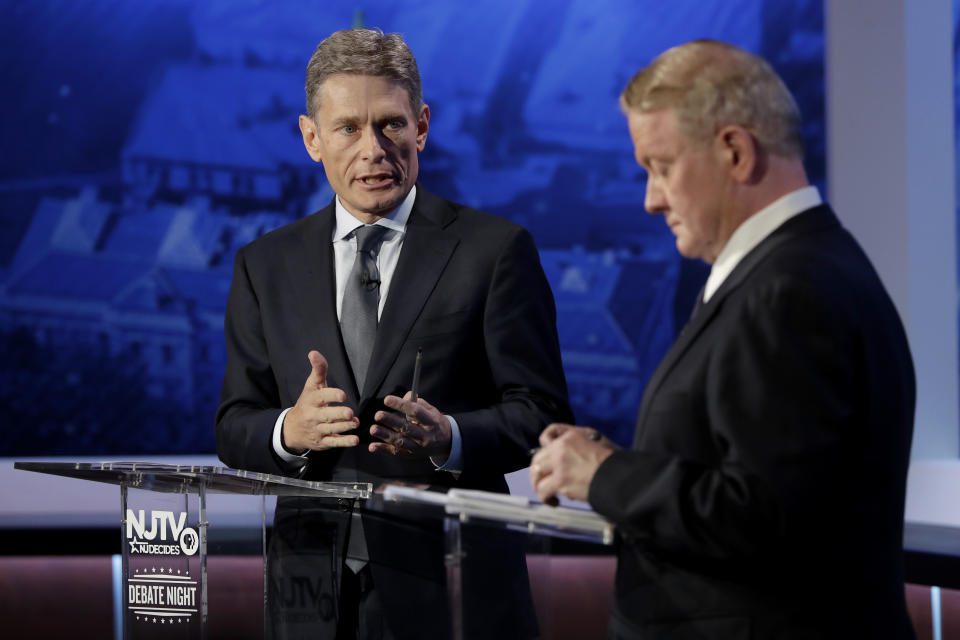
501,521
169,534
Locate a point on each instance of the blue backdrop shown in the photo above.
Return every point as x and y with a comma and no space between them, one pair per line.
145,141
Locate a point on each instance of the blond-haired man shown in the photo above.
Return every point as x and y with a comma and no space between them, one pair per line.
763,494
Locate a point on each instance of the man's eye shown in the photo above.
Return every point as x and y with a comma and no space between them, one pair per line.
395,124
348,129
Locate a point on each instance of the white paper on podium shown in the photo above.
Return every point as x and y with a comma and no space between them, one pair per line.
536,517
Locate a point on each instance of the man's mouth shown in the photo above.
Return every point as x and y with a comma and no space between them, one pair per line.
376,179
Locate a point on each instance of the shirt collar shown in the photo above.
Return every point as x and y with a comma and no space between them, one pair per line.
396,220
755,229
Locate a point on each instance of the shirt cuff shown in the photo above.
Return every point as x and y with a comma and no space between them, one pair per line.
454,461
285,455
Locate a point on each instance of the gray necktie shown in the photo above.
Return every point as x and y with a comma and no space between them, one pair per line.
361,298
358,325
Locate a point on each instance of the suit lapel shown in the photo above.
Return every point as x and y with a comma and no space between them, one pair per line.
427,248
313,273
816,218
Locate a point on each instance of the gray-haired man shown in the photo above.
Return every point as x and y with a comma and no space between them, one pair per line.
323,324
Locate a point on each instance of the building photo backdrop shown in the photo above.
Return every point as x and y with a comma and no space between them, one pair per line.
145,141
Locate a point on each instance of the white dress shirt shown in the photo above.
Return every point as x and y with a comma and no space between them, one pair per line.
753,231
345,252
345,246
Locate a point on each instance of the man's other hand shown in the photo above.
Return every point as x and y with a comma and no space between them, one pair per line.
418,429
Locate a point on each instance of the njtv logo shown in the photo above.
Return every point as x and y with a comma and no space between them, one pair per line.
162,533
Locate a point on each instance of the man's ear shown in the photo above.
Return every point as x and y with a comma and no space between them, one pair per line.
423,126
739,151
311,137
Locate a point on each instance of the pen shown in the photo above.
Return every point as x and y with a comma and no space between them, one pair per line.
415,387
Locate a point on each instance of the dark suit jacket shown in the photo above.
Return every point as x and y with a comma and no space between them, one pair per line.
763,496
468,289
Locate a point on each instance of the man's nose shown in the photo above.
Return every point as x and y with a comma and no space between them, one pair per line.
653,200
372,145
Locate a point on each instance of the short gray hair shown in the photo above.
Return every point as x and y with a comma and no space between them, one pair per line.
367,52
711,84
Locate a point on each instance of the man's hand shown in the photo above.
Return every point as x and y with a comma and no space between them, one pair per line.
419,429
312,423
567,461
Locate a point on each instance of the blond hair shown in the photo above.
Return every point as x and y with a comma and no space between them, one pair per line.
711,84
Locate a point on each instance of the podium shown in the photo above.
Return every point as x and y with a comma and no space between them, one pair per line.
168,538
166,534
466,511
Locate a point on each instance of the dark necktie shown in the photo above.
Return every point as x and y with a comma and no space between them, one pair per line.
697,307
361,298
698,304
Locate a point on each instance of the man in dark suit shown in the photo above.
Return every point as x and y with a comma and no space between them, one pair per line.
325,318
763,495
